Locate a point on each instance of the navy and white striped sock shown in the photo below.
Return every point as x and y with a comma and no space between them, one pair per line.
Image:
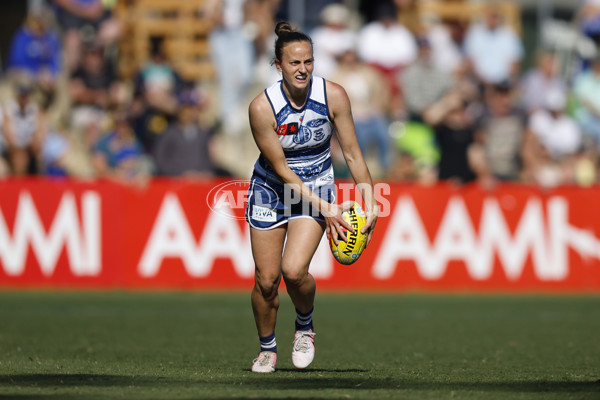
268,343
304,321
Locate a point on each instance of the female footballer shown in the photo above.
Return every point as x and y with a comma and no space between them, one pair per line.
291,199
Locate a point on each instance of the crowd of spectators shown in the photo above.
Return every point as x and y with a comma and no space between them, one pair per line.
438,102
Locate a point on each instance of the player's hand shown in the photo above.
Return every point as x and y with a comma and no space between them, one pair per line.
370,223
336,227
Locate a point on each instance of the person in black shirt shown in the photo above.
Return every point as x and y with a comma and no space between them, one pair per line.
454,132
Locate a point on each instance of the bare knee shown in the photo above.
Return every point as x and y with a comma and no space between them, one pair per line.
295,277
267,286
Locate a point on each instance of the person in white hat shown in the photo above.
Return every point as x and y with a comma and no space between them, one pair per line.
552,142
332,38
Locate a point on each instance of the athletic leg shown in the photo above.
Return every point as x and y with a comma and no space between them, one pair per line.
267,247
304,236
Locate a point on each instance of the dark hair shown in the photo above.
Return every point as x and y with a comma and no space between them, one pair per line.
286,34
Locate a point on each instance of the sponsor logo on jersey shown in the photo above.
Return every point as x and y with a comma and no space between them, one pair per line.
315,123
288,129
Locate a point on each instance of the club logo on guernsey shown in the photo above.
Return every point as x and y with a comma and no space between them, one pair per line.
319,134
303,136
263,214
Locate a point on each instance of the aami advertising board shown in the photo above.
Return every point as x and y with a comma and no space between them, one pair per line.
181,234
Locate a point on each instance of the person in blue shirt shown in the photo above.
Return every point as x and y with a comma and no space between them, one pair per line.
118,156
36,52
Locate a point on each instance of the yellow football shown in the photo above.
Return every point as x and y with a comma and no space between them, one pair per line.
348,252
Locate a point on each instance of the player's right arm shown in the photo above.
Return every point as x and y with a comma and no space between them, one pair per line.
263,126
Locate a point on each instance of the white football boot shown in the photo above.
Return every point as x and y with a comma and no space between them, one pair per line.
303,348
265,362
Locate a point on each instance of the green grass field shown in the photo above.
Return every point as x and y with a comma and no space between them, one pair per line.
189,345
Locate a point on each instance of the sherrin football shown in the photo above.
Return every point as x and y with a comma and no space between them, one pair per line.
348,252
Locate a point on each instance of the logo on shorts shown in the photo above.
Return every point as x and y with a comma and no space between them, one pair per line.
263,214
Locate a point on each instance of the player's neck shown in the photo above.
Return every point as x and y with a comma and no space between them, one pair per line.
297,96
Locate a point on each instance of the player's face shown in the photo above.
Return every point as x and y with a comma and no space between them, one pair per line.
296,64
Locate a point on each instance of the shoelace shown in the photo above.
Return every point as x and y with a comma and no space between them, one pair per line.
263,359
303,341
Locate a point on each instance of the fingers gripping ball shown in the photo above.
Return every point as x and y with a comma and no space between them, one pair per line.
348,252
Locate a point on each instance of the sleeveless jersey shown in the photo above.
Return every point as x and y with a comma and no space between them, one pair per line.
304,133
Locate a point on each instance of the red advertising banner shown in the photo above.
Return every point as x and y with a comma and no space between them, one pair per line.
184,234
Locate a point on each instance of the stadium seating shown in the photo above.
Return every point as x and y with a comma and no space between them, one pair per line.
461,10
182,25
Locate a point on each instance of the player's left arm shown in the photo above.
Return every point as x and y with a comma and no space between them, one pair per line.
341,113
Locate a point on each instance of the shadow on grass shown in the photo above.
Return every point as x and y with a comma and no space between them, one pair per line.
46,380
288,380
42,397
318,370
377,383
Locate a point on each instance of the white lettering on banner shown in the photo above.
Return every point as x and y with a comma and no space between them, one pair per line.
222,237
172,237
82,245
456,239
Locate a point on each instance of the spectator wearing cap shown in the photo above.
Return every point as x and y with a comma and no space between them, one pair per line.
332,38
185,148
118,156
388,46
493,50
586,90
552,143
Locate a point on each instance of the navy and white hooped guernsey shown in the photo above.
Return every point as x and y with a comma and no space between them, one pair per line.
304,134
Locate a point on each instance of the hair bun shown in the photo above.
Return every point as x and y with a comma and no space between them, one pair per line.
283,28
